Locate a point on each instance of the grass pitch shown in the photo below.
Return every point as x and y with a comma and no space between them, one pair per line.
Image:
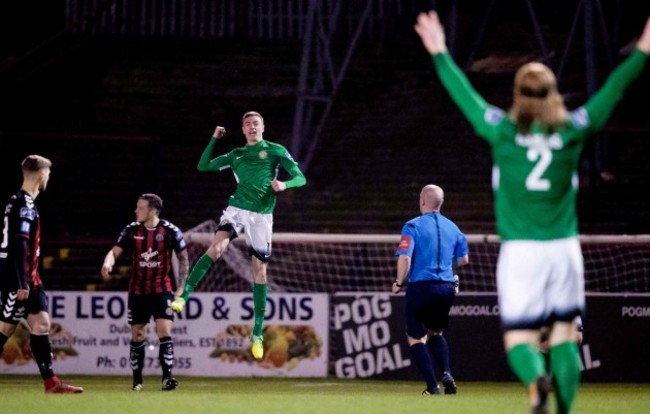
197,395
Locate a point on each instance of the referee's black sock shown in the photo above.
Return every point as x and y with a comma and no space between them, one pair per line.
439,352
422,360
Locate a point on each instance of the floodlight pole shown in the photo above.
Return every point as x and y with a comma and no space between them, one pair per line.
316,93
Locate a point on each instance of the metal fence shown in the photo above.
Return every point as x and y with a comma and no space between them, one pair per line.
253,19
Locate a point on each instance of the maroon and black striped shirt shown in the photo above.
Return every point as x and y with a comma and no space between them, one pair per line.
151,253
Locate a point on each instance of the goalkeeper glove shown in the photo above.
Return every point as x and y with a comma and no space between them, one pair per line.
177,305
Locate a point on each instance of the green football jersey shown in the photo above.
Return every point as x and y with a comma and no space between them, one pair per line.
535,179
254,166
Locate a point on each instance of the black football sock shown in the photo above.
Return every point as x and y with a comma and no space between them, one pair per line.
166,356
137,360
42,351
422,359
3,341
439,352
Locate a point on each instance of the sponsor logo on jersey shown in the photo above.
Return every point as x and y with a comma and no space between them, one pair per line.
147,256
493,115
27,213
580,118
25,226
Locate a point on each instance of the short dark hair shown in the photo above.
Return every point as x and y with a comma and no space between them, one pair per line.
154,201
34,163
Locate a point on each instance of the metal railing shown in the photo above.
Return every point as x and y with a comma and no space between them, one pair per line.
254,19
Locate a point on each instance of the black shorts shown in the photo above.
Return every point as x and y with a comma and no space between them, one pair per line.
143,307
12,310
427,306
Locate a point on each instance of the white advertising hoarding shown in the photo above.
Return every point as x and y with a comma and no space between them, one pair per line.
90,335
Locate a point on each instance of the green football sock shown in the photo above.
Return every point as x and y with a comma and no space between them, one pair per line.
198,271
259,300
526,362
565,367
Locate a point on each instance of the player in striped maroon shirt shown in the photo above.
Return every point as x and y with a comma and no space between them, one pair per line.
21,289
151,241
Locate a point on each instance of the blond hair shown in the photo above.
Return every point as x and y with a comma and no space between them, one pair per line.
34,163
536,99
251,113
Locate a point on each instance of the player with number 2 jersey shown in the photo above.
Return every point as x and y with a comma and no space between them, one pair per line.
536,148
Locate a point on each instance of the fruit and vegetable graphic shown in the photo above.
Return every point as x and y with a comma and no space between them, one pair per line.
284,345
18,351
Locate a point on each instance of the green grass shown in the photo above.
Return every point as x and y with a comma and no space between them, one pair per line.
197,395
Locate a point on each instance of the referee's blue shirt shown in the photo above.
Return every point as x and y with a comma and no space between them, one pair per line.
433,242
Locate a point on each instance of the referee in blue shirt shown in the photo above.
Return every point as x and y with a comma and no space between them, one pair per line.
430,248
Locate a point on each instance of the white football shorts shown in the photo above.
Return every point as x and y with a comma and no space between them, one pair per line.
257,229
540,282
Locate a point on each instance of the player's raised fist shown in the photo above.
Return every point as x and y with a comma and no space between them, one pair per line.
219,132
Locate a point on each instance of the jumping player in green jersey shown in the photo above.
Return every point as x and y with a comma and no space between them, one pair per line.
249,211
536,147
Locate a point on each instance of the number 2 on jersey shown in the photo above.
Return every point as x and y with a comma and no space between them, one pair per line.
543,158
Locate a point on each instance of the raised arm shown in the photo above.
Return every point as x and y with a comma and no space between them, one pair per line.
472,105
431,32
603,102
206,163
644,41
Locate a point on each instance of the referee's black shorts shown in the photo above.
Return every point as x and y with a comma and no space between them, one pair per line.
427,306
